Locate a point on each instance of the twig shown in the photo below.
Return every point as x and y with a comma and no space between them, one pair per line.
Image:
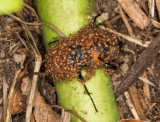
74,112
38,61
147,36
146,90
130,105
38,24
134,40
151,6
114,19
147,81
129,28
150,108
23,41
158,7
140,65
4,97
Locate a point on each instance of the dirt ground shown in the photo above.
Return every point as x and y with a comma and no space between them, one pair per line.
14,57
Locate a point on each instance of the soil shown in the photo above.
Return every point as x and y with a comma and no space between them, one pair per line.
12,49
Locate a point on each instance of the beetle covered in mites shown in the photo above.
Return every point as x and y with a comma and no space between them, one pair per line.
89,49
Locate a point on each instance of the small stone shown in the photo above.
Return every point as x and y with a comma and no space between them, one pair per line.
18,58
102,17
124,68
126,59
2,54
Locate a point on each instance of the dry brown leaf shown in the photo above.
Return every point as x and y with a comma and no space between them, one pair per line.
43,112
17,102
135,13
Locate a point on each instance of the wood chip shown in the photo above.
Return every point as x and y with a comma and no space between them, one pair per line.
130,105
135,97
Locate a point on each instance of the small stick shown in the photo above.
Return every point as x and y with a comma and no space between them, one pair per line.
158,7
73,112
146,88
130,105
147,81
30,8
38,61
4,98
129,28
151,6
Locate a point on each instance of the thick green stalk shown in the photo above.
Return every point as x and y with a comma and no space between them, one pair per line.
10,6
69,16
73,95
66,15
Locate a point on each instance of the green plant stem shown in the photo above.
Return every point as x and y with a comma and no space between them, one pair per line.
73,96
94,101
68,16
10,6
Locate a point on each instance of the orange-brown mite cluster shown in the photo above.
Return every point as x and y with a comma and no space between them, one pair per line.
89,49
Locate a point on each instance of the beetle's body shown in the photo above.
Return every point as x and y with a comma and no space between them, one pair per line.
89,49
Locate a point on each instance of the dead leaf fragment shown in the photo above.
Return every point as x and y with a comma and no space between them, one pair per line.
17,102
135,13
43,112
